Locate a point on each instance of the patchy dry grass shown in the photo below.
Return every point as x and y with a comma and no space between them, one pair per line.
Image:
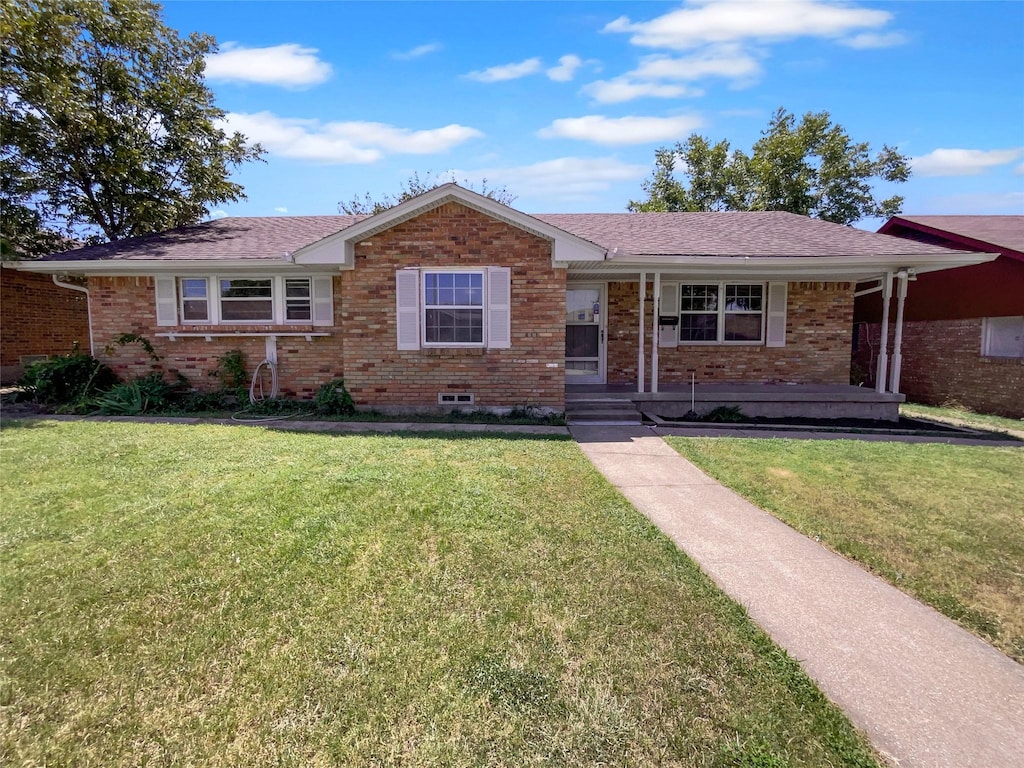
224,596
942,522
965,418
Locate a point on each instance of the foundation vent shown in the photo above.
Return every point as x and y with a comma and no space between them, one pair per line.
455,398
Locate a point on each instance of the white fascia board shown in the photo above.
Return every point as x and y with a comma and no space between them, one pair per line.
163,267
339,248
793,268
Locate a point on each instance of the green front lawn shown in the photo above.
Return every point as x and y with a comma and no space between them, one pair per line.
942,522
217,596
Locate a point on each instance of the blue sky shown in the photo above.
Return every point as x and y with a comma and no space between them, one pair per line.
564,104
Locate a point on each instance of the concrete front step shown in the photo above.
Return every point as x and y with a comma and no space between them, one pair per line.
602,411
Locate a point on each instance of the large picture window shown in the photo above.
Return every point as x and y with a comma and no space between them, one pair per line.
239,300
1003,337
720,313
453,308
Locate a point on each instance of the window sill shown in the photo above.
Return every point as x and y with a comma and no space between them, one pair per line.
453,351
218,331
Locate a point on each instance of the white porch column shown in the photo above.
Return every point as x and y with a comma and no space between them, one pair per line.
656,300
640,343
897,346
883,353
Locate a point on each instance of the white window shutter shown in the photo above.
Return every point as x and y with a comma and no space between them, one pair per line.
668,335
499,307
322,293
166,301
775,335
407,318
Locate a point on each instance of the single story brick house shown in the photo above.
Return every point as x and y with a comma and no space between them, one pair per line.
451,298
963,329
38,319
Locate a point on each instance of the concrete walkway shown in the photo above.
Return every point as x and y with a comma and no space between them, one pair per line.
926,692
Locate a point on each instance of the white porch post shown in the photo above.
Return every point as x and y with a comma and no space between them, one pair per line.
640,344
897,346
883,353
656,299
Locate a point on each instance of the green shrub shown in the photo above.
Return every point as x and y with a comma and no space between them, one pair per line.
725,414
148,393
68,380
332,399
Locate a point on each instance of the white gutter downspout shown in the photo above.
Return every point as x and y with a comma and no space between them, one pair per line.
883,353
656,299
88,308
640,373
897,347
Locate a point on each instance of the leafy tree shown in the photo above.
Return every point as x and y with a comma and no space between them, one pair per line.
811,168
413,186
108,128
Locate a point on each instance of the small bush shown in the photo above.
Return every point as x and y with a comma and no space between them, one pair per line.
332,399
727,414
68,380
148,393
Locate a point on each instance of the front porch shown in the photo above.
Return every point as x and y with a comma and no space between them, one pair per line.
672,400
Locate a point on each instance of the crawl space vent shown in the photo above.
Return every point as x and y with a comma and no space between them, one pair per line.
455,398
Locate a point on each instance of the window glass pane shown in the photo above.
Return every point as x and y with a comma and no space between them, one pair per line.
195,309
192,288
297,304
297,288
696,327
454,326
699,298
453,289
743,327
247,309
1004,336
580,304
744,298
230,289
581,340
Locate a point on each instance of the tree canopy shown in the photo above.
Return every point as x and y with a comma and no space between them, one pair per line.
108,129
812,168
368,205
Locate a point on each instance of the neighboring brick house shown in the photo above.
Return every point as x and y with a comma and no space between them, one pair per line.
454,299
963,331
37,319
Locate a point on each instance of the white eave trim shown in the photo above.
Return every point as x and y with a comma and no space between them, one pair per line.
133,267
339,248
841,268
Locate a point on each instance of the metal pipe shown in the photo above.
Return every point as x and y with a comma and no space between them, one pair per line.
88,307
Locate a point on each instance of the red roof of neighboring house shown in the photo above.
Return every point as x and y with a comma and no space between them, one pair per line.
980,233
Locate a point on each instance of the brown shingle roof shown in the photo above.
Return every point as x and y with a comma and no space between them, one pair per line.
1000,231
267,237
757,233
730,233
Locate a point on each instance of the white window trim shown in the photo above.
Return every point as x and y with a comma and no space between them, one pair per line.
721,341
423,308
213,300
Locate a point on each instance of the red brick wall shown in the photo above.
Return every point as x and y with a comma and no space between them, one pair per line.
378,374
38,318
363,343
818,328
943,365
128,305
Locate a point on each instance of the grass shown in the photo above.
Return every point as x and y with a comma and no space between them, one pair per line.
220,596
944,523
964,417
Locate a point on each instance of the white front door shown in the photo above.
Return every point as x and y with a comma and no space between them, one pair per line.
585,333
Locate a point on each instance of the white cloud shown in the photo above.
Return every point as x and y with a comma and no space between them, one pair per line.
289,65
415,53
962,162
566,69
281,209
623,89
506,71
1019,170
344,142
875,40
701,22
722,61
620,130
218,214
566,178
